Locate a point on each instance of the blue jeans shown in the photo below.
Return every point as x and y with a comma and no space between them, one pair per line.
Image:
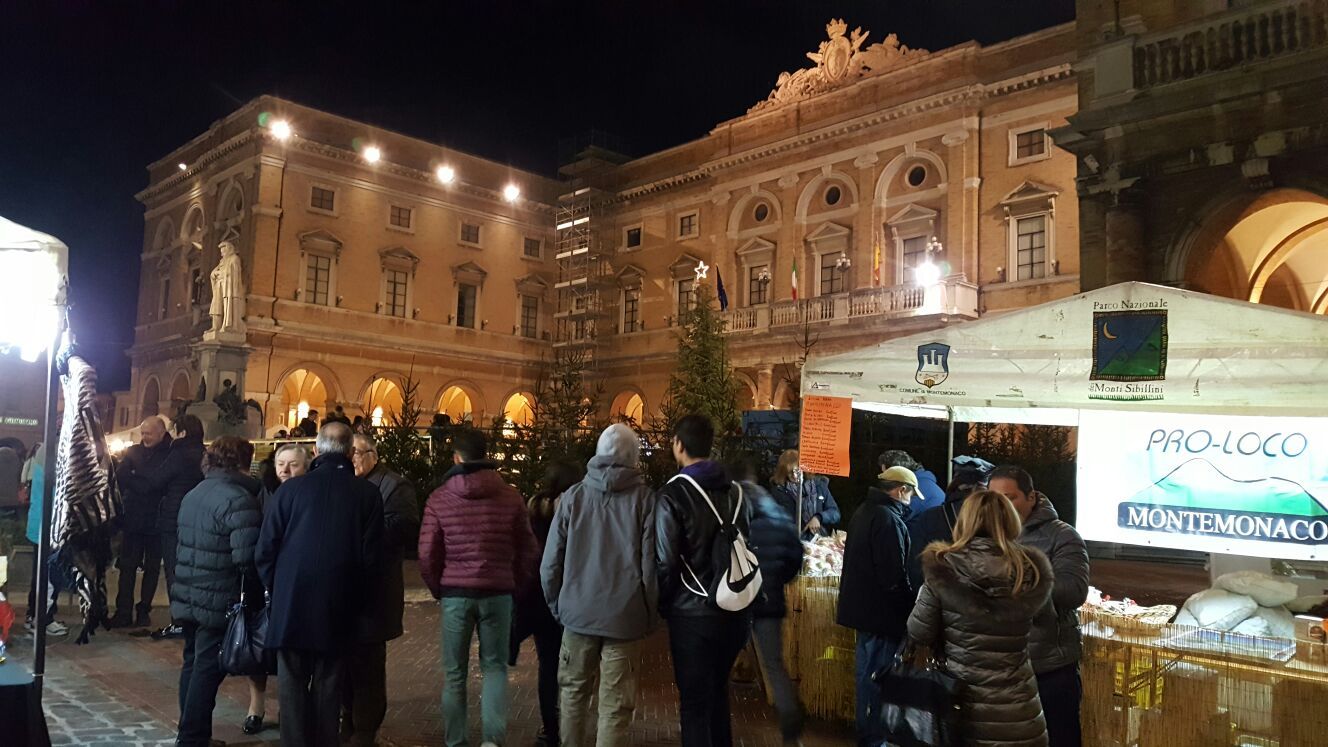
462,618
873,653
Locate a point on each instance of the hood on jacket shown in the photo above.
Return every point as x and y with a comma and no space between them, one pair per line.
1042,513
981,568
609,475
620,444
708,474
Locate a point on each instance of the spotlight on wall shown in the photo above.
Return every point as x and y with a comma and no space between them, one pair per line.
446,174
372,154
511,192
281,130
182,167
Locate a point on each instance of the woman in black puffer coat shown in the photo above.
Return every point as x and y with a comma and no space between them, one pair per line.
977,604
218,530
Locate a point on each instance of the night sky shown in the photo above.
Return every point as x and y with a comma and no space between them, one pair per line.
94,90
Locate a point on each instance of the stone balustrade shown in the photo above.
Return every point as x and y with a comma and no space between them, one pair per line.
953,296
1229,41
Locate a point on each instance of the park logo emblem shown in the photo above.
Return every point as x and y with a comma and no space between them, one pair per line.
933,364
1129,346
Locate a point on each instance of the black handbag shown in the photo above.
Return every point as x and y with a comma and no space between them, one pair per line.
918,705
242,651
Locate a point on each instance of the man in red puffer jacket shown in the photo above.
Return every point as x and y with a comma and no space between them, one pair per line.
476,549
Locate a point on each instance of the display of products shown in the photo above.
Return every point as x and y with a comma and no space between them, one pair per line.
824,556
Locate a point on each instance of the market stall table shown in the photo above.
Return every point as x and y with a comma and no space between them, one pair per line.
21,720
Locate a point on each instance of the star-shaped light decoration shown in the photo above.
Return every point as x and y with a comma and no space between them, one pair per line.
701,269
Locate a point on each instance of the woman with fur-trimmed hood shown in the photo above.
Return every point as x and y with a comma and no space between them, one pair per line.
980,595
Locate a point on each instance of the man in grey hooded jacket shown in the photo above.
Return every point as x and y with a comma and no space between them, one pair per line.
600,582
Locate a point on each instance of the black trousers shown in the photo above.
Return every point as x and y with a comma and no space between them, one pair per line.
364,704
169,540
51,589
200,679
548,644
138,551
704,649
309,694
1060,691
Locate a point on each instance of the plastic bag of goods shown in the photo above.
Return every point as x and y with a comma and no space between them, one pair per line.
1265,590
1218,609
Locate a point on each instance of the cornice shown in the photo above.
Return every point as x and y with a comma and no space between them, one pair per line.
154,191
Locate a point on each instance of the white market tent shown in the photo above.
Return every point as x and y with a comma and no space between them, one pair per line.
1037,365
34,271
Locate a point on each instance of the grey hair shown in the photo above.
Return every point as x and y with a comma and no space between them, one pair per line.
304,453
373,445
335,438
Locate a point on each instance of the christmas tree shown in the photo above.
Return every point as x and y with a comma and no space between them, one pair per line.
703,383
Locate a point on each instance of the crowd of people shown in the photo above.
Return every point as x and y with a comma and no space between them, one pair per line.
983,573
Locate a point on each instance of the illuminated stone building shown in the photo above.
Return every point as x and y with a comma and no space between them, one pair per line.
870,163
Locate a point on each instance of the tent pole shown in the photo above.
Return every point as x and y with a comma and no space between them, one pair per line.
949,446
42,576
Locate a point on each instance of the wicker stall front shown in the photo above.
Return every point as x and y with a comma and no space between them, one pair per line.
1178,686
817,652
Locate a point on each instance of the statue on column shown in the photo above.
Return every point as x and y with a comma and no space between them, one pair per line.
227,309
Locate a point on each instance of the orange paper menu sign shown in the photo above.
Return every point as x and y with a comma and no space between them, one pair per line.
823,440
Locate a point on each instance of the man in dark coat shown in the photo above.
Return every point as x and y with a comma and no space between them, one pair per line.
704,640
476,550
875,597
218,528
316,555
177,474
140,546
365,700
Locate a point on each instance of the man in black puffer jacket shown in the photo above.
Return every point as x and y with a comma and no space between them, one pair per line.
705,641
218,531
140,545
779,551
178,473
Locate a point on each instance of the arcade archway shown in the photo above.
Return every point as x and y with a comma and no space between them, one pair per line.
301,391
456,404
382,402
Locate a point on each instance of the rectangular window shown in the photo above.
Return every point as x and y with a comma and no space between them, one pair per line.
395,293
318,279
633,238
1029,144
685,295
531,248
165,305
687,225
322,199
755,288
470,233
529,316
400,216
631,309
832,278
465,314
1031,246
915,252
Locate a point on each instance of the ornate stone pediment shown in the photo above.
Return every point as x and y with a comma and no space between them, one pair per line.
469,272
840,60
1029,190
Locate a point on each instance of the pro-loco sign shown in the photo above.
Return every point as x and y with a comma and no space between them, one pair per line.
1238,485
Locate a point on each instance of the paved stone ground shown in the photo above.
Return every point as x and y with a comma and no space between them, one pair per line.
121,689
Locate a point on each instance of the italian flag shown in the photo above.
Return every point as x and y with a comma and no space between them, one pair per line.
795,278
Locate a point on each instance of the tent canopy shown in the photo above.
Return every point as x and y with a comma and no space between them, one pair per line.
1132,347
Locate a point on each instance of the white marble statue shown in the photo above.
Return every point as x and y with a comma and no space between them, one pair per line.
227,309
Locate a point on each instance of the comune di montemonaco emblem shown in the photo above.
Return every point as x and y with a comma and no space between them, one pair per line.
933,364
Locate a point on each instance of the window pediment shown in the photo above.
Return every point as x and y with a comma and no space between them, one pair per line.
756,252
828,231
631,276
321,241
1029,197
399,256
913,214
531,285
469,272
683,267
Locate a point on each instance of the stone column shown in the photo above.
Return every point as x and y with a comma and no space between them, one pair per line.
961,204
765,390
1124,229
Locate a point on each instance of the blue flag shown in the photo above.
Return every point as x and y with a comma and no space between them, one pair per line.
719,291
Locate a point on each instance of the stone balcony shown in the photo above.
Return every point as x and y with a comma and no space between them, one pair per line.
953,296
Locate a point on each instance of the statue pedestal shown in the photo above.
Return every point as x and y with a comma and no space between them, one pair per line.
222,357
